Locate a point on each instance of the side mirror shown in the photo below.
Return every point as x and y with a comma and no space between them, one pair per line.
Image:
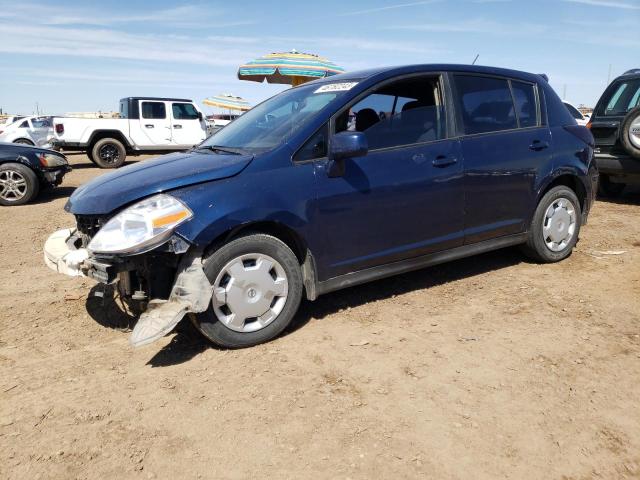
348,145
345,145
200,116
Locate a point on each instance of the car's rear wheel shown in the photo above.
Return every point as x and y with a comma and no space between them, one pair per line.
630,132
555,226
24,141
108,153
18,184
257,287
607,188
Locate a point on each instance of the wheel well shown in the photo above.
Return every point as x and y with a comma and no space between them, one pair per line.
115,134
573,183
24,139
288,236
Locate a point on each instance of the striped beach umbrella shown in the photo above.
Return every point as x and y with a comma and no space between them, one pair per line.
291,68
228,101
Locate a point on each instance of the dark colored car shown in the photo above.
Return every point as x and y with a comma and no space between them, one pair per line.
25,170
615,125
331,184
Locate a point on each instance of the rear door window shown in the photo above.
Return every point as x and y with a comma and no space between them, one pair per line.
524,96
486,104
184,111
153,110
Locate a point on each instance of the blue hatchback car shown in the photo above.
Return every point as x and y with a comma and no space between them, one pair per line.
331,184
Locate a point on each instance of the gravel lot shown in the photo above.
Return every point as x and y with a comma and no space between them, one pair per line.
489,367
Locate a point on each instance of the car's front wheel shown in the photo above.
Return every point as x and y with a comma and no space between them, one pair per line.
555,226
257,288
24,141
18,184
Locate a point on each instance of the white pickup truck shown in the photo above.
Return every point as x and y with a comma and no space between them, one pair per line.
146,125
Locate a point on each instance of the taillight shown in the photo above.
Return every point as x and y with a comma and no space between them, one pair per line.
583,133
59,128
589,125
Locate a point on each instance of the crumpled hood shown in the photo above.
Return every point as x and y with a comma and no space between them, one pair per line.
108,192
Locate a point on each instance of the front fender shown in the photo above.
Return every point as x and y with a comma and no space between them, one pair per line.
279,196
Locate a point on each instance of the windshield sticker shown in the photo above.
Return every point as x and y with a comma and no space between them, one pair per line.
336,87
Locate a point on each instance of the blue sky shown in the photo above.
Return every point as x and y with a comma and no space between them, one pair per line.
82,55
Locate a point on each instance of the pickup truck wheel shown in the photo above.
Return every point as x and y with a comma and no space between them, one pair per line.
257,287
555,226
108,153
607,188
18,184
630,132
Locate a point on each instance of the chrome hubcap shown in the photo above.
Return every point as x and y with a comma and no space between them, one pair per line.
250,292
559,224
13,186
634,132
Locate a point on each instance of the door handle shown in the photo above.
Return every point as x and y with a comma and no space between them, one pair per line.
177,126
444,160
538,145
148,125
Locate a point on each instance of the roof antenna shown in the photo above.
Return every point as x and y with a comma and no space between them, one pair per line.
475,59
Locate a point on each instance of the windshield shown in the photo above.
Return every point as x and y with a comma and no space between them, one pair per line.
273,122
624,97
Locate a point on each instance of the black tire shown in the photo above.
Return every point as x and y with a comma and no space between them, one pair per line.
108,153
218,333
89,154
536,247
625,133
24,141
30,178
607,188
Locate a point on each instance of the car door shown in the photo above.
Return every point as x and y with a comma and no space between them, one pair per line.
155,124
186,126
506,148
40,129
405,197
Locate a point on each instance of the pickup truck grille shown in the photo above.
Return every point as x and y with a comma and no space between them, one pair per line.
90,224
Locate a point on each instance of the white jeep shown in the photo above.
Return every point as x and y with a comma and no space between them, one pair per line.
146,125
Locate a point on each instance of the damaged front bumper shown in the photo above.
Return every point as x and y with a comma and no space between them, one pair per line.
190,290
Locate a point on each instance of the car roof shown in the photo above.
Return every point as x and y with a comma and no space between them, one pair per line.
426,68
159,99
633,73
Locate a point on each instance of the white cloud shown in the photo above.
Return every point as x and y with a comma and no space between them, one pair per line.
184,16
477,25
387,7
628,5
105,43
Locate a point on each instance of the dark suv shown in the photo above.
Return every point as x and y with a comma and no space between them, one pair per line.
615,124
331,184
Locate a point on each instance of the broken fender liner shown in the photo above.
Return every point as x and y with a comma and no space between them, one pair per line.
191,292
159,319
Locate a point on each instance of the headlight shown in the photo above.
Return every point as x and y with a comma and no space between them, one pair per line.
51,160
141,227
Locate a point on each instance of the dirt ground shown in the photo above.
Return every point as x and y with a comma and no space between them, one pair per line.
489,367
